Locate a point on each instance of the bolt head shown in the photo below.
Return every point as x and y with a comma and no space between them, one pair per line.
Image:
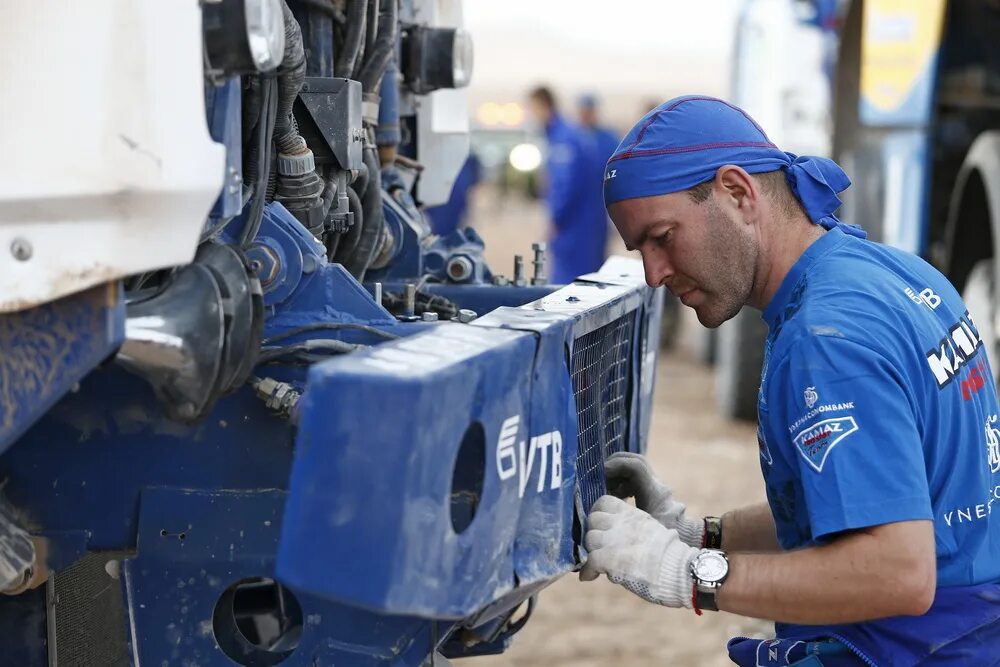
21,250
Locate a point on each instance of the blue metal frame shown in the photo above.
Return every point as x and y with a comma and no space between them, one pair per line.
47,350
352,509
426,486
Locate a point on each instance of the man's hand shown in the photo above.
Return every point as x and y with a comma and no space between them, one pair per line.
639,553
630,475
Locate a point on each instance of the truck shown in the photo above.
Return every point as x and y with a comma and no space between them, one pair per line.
791,99
252,411
917,127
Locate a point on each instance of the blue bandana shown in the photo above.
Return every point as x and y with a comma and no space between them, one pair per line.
683,142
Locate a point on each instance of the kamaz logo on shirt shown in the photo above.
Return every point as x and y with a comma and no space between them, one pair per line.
513,458
816,441
612,173
954,351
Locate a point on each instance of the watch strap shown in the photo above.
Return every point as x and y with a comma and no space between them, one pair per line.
713,533
704,600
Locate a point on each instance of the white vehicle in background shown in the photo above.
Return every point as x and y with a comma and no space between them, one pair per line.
781,77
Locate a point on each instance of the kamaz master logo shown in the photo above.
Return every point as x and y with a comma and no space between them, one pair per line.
816,441
518,458
954,351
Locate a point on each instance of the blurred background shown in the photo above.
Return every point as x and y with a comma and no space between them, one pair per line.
618,65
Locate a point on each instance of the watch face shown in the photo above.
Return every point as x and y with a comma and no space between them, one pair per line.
711,566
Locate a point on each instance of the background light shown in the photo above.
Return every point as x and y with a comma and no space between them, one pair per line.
525,157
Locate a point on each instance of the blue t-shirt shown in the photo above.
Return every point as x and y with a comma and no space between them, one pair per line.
877,405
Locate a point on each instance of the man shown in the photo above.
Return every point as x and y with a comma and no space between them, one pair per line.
878,423
573,195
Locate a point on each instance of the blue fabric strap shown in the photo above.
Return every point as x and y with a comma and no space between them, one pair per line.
683,143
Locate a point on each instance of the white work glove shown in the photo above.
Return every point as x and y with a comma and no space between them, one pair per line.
634,550
631,475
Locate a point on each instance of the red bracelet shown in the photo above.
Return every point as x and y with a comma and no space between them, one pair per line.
694,599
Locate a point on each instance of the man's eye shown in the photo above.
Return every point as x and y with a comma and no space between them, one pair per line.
660,239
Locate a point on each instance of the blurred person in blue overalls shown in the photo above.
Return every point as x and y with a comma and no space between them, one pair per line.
573,171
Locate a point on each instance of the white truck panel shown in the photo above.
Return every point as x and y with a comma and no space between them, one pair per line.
108,168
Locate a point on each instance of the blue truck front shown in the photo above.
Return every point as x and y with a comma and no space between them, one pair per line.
296,428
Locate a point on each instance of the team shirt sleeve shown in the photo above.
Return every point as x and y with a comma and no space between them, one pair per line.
843,416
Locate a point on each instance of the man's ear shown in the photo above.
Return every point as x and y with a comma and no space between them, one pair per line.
736,188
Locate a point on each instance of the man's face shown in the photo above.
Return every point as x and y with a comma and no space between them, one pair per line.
588,116
704,254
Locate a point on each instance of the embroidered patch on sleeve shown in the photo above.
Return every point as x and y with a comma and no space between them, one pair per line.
815,442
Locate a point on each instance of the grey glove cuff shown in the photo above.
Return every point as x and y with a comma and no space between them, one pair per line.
691,531
675,587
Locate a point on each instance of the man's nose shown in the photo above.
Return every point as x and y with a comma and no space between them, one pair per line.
657,269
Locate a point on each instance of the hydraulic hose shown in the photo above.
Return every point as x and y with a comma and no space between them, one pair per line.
341,246
371,201
291,74
265,132
378,54
371,33
349,52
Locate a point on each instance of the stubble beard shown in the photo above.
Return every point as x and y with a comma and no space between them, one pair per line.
731,283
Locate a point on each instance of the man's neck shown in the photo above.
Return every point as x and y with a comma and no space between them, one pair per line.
783,246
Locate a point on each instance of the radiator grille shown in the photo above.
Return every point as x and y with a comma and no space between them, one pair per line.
601,383
89,617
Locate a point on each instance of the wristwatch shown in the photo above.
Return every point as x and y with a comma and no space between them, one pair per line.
709,570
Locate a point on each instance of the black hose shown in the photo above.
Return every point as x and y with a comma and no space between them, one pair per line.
328,195
291,74
371,201
326,346
351,48
324,7
378,54
251,111
265,132
360,183
329,326
347,244
371,33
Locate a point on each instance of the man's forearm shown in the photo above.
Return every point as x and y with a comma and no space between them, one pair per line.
855,578
749,529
